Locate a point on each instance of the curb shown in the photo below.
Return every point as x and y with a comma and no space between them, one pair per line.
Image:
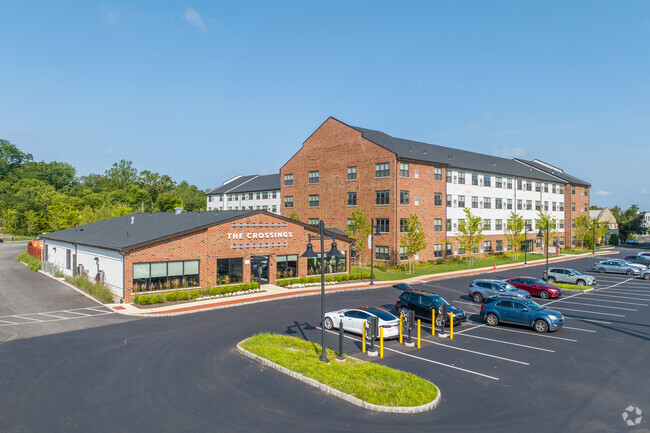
347,397
578,291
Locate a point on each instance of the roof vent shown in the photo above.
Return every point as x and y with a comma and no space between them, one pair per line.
132,219
178,210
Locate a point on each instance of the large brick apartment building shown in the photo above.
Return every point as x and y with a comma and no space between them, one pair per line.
341,168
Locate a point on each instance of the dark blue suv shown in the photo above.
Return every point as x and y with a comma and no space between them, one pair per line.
521,312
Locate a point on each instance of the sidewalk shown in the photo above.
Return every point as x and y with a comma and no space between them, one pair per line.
271,292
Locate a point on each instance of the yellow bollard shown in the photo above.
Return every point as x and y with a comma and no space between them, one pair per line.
400,328
419,324
381,342
433,322
451,326
363,344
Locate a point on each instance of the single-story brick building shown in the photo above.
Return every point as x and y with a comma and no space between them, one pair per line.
147,252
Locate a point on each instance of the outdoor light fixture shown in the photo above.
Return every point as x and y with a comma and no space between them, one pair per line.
333,252
527,230
540,235
593,244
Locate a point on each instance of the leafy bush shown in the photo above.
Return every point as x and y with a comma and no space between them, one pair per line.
183,296
329,279
157,299
144,300
246,286
613,239
171,296
302,280
213,291
136,299
32,262
96,289
58,274
254,285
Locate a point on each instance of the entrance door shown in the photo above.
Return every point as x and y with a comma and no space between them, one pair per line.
260,269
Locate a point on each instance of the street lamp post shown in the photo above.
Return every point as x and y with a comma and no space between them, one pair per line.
333,252
541,235
593,244
526,231
372,249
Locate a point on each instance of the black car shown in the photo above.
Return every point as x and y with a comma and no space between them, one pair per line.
422,303
639,260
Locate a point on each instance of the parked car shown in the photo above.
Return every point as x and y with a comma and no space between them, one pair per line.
422,303
354,318
568,276
403,286
639,259
645,274
536,287
2,240
616,266
483,289
632,241
521,312
643,253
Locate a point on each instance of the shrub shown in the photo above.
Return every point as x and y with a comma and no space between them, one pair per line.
302,280
194,294
214,291
33,263
144,300
245,286
136,299
613,239
313,280
183,296
157,299
329,279
58,274
171,296
254,285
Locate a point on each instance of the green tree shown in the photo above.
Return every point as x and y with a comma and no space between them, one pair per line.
121,175
155,184
167,202
11,158
582,229
470,233
294,215
9,219
630,222
87,215
192,198
414,240
515,232
57,174
359,230
540,224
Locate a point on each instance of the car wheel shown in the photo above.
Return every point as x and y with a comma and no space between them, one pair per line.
629,272
646,276
540,326
543,294
492,319
551,280
601,270
580,282
329,324
478,298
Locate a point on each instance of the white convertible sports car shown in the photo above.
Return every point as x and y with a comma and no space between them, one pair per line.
354,318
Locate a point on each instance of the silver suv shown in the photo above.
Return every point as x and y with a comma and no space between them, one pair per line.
568,276
480,290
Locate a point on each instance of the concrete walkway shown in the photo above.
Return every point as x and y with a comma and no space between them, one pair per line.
271,292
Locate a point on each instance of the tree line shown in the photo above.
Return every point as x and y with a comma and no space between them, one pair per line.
38,197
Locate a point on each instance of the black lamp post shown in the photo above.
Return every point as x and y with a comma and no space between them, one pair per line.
372,248
333,252
593,245
526,231
541,235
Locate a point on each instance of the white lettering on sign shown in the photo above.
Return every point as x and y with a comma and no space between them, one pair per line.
262,235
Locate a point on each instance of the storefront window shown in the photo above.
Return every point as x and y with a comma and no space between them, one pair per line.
332,265
165,275
230,271
287,266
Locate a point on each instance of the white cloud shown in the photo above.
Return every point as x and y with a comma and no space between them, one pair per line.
510,152
603,193
194,19
644,191
111,15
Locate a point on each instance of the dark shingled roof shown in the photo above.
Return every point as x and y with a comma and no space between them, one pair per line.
455,158
232,184
561,174
267,182
121,235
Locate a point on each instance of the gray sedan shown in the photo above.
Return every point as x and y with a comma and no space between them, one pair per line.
617,267
645,274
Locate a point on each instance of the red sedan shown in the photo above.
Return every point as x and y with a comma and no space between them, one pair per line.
536,287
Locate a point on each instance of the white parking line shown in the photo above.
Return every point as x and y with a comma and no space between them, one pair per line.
52,315
616,302
593,312
642,295
17,316
601,306
420,358
614,285
75,312
568,316
530,333
11,323
472,351
629,289
578,329
507,342
617,296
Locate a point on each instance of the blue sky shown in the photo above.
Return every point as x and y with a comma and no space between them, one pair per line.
205,90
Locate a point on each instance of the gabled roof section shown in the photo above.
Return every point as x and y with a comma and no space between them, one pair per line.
455,158
269,182
230,184
548,168
131,231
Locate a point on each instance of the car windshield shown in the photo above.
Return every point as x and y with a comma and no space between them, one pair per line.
575,272
438,301
540,282
383,315
509,287
533,305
